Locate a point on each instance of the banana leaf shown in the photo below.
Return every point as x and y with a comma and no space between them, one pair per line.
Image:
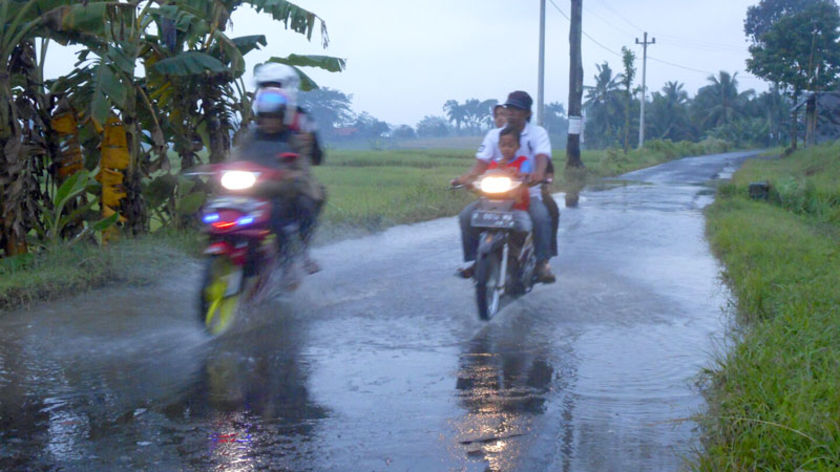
189,63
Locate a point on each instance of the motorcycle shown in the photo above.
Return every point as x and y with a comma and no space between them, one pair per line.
242,250
505,262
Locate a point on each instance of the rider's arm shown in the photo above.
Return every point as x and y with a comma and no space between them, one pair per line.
540,164
477,169
485,154
309,136
317,152
542,151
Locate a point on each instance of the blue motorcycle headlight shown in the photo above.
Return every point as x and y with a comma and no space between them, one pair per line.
210,218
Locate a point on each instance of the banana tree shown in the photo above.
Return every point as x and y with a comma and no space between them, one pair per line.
197,74
225,104
23,109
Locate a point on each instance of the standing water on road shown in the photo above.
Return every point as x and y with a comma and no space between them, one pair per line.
380,363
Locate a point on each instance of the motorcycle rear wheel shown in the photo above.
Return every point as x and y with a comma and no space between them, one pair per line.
487,295
217,306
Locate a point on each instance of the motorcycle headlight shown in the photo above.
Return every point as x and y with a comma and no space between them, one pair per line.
496,184
238,179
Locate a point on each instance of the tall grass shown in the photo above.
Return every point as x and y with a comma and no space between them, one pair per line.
774,400
369,190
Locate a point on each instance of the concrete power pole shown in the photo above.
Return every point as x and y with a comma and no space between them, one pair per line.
644,44
575,87
541,79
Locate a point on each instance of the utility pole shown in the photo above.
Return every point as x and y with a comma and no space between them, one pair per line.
575,88
541,79
644,44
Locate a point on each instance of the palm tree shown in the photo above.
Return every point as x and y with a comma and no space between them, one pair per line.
455,112
475,112
626,80
774,107
487,116
330,108
603,106
668,115
719,103
555,121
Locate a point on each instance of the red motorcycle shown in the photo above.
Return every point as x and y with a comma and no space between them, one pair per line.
242,251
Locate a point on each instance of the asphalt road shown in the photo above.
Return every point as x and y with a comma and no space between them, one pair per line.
379,362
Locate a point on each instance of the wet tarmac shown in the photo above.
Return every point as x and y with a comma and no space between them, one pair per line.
380,363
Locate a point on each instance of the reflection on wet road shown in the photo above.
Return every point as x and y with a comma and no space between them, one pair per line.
379,361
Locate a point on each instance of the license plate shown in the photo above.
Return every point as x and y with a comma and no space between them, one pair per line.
243,204
492,219
234,280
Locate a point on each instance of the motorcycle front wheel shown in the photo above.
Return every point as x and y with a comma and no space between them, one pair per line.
221,291
487,293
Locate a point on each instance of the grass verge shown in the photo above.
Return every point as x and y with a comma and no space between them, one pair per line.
368,191
773,399
63,270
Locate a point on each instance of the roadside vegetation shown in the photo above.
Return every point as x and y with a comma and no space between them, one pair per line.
773,399
368,191
61,270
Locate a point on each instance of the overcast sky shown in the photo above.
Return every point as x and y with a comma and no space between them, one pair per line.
405,58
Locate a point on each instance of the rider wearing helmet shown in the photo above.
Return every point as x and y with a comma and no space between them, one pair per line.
286,79
282,127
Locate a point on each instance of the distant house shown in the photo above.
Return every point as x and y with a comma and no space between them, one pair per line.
822,116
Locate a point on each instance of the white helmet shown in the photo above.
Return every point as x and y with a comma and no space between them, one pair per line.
272,74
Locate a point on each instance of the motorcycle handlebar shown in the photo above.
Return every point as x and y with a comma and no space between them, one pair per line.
530,184
216,169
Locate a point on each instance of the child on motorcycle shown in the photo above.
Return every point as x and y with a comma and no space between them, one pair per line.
520,168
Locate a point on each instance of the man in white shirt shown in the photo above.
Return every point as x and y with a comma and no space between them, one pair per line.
535,145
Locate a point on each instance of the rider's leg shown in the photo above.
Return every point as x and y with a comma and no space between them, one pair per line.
522,221
279,216
469,240
306,214
469,235
554,213
542,238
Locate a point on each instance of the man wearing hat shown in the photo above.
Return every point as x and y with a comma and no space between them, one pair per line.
535,145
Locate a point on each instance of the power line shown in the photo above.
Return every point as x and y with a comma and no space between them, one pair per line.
696,44
679,66
686,42
605,5
584,32
607,22
606,48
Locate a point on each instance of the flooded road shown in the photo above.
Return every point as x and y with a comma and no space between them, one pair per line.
380,363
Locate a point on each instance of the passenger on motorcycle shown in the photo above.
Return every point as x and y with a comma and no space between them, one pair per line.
536,147
499,116
269,144
518,167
